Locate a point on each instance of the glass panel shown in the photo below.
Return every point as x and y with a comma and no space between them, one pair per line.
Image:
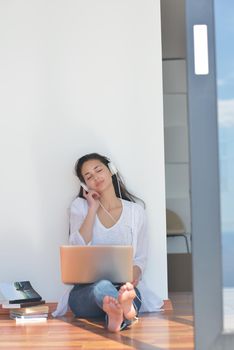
224,19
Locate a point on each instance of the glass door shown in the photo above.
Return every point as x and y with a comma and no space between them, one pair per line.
210,34
224,33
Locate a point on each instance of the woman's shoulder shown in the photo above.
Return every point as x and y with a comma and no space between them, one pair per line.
136,213
78,204
136,207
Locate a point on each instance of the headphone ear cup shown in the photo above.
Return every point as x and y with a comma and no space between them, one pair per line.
112,168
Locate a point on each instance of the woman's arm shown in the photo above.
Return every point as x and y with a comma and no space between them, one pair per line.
86,229
81,220
136,275
140,257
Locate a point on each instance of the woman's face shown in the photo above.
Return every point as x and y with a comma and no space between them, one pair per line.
96,175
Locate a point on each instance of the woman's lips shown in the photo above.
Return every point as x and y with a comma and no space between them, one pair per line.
99,183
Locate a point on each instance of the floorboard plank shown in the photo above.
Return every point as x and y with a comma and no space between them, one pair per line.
171,329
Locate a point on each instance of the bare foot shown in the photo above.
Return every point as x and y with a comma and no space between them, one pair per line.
115,313
125,298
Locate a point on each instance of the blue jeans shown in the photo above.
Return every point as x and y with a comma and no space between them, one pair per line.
86,300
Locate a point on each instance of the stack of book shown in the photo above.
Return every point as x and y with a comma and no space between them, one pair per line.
36,313
25,304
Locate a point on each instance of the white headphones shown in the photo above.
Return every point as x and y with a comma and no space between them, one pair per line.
114,171
112,168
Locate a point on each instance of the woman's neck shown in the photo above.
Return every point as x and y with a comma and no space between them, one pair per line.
109,199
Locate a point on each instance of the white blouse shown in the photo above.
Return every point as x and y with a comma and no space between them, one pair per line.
130,229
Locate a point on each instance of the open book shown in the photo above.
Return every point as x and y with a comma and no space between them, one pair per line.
19,292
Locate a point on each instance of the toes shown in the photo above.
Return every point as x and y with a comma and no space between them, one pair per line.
112,300
129,286
117,304
106,299
123,288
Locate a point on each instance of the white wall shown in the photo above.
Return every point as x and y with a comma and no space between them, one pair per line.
76,77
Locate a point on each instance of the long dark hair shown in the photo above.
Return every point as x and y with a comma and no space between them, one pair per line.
125,194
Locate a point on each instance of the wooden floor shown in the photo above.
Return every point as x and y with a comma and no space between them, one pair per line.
164,330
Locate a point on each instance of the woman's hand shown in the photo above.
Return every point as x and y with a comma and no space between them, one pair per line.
92,198
136,275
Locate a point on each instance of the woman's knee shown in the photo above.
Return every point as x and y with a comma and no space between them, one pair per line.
101,286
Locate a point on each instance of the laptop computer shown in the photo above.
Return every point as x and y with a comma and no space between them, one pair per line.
87,264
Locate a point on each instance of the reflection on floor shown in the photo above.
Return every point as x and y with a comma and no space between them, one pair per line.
165,330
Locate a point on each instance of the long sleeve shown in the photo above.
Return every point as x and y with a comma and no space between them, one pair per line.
141,238
78,212
150,300
62,306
